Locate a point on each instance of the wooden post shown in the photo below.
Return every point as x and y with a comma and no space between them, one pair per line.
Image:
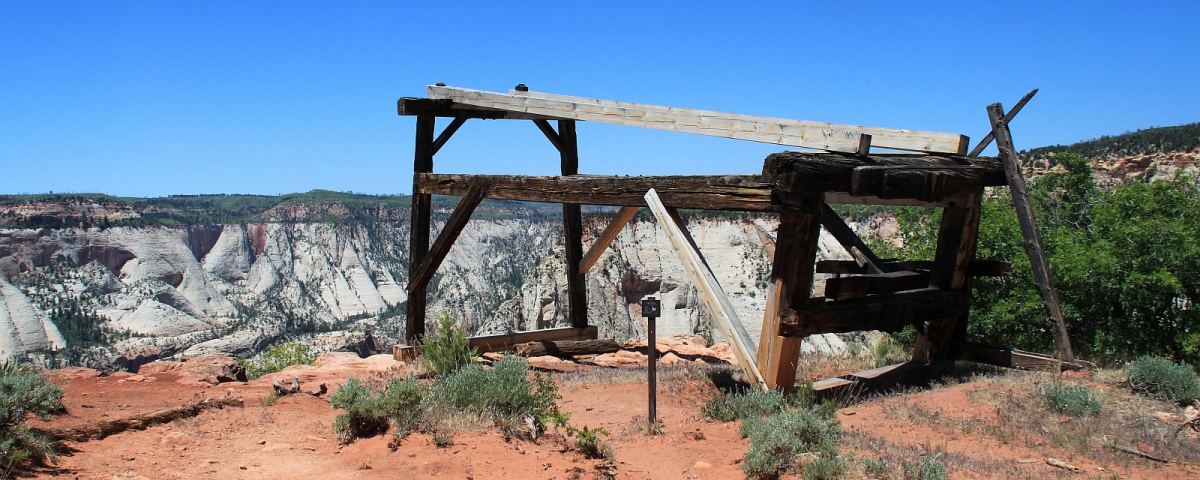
418,244
1033,240
652,366
791,284
987,139
957,239
573,229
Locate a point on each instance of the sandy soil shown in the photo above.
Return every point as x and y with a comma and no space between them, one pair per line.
292,438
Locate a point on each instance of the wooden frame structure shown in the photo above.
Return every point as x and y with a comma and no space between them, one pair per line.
874,294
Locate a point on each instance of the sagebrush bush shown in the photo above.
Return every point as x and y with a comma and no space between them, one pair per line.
506,392
777,441
589,443
730,407
825,467
24,391
447,348
927,467
279,357
1164,379
1073,400
875,467
363,418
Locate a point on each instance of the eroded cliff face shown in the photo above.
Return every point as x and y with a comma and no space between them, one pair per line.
163,291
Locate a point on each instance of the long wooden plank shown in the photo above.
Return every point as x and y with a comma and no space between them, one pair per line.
858,286
795,171
713,192
441,247
506,341
798,133
1033,239
887,312
977,268
418,244
714,297
623,216
987,139
791,285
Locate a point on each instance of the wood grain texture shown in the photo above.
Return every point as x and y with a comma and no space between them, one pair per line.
445,241
951,271
623,216
977,268
505,342
799,133
888,312
791,283
566,348
859,286
850,241
418,244
710,291
573,228
1033,239
833,172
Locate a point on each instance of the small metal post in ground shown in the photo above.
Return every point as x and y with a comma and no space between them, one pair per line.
651,309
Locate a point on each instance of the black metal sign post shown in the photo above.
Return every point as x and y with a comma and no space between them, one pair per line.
651,309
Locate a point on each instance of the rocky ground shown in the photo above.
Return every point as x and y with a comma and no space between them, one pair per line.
981,422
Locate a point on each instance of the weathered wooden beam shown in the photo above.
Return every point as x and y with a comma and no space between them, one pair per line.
930,184
623,216
445,108
977,268
447,133
793,171
987,139
791,284
573,229
850,241
799,133
505,342
868,380
888,312
418,244
710,291
550,134
445,241
714,192
844,198
1033,239
958,235
858,286
566,348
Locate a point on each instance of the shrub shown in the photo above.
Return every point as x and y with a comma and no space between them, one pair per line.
589,443
1164,379
776,443
744,405
927,467
875,467
506,392
367,414
825,467
24,391
279,357
1073,400
447,349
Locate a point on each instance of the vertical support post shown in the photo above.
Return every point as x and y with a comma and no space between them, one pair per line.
957,239
791,284
418,245
573,230
651,309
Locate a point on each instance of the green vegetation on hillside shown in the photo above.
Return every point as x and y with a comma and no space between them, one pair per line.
1182,138
1124,260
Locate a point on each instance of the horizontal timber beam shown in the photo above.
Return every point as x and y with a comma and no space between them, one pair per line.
859,286
888,313
978,268
835,172
507,341
409,106
780,131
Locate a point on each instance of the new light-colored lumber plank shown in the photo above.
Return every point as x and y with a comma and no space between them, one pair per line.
714,297
762,129
780,131
623,216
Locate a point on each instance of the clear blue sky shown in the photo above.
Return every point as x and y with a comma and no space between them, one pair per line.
158,98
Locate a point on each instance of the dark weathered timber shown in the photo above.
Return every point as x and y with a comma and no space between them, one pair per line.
447,108
889,312
1013,358
419,236
865,381
550,134
606,237
928,184
573,229
831,172
957,238
858,286
1033,240
445,240
987,139
977,268
709,192
504,342
791,286
566,348
447,133
850,241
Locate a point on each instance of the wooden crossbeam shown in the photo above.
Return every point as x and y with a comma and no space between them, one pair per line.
987,139
850,241
623,216
445,108
977,268
798,133
858,286
445,240
506,341
710,291
888,313
792,171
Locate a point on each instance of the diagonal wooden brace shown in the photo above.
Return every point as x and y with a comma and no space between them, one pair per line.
445,240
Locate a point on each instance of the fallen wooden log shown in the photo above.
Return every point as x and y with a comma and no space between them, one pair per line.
567,348
103,428
1054,462
1134,451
